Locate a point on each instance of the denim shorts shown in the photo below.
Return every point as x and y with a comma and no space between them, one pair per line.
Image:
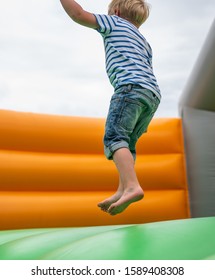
131,110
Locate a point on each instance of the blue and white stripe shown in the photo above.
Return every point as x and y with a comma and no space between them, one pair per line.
128,54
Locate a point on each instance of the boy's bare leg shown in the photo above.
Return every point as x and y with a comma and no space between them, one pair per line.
132,190
105,204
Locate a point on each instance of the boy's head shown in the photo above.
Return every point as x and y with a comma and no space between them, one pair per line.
135,11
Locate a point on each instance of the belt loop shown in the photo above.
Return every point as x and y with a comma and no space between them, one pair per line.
129,87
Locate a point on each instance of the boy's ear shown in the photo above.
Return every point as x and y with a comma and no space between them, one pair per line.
117,12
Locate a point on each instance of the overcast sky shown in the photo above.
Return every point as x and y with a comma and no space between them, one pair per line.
49,64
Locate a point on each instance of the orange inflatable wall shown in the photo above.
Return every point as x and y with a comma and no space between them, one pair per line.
53,172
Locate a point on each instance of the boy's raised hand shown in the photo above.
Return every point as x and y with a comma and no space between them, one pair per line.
78,14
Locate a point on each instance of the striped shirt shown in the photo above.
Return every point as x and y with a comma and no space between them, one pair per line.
128,54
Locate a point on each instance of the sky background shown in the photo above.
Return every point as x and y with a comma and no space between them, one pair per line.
49,64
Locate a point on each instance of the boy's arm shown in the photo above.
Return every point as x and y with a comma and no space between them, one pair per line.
78,14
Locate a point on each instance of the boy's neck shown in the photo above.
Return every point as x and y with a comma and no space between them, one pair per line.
137,26
117,13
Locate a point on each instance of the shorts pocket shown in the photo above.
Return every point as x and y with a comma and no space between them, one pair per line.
130,113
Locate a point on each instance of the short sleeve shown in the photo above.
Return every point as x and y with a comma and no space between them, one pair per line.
106,23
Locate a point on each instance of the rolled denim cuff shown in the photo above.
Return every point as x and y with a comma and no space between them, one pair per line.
109,151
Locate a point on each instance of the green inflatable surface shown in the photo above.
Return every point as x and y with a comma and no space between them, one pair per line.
191,239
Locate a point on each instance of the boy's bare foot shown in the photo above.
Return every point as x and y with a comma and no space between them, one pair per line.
105,204
126,199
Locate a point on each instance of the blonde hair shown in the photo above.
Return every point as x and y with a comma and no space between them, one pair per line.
136,11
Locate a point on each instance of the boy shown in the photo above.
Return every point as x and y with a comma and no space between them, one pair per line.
136,96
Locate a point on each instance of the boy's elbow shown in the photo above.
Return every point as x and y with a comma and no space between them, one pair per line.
78,14
77,17
73,9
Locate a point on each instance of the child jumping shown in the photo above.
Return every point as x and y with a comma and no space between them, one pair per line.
136,93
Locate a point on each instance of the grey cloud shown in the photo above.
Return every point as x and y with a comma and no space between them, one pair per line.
49,64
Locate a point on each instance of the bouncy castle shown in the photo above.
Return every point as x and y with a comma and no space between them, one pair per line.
53,173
